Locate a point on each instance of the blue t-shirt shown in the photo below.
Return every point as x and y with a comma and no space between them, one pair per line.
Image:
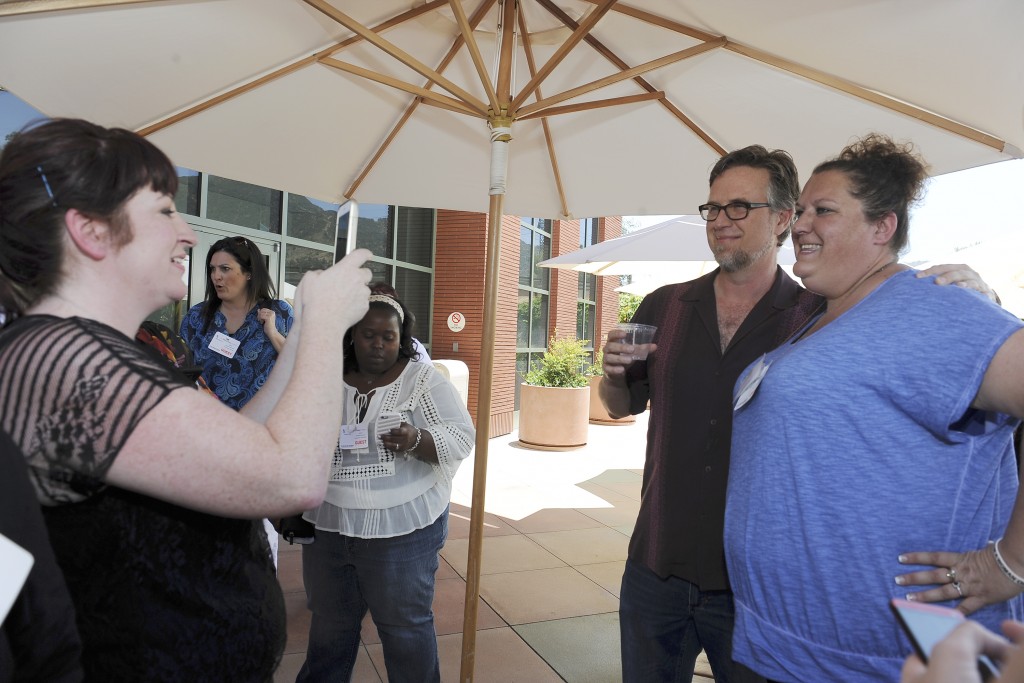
235,380
859,445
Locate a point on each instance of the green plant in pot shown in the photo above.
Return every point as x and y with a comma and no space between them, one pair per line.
554,398
565,364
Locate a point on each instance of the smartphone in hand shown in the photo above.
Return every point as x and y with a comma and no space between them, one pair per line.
926,625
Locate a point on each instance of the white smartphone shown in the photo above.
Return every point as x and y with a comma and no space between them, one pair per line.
926,625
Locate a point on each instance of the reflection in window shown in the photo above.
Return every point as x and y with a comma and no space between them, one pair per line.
539,320
381,272
586,297
187,198
534,282
414,288
376,229
298,260
416,227
311,219
244,204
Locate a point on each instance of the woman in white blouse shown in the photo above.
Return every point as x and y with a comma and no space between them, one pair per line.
384,518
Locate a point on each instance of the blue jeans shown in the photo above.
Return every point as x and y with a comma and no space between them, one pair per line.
665,623
394,579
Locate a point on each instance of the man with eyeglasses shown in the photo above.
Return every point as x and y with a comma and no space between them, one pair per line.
676,598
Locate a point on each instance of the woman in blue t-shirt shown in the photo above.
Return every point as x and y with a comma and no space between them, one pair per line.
237,332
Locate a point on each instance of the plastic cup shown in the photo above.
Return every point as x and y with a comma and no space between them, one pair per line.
637,334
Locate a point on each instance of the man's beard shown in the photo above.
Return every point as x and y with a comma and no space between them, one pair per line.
740,260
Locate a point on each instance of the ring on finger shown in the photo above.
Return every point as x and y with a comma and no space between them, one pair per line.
959,589
951,574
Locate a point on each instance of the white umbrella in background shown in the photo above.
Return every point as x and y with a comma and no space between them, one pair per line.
675,250
613,109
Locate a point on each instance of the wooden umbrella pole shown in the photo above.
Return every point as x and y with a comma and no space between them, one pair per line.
483,422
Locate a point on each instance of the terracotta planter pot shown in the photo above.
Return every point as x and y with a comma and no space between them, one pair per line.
553,418
600,416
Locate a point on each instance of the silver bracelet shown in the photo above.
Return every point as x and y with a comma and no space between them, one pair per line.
1005,568
419,437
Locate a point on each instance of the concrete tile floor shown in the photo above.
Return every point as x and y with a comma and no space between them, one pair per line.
556,529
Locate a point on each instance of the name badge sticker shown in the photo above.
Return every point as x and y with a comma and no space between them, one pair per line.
224,345
750,383
354,438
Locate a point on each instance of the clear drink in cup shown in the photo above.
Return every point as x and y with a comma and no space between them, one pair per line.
636,334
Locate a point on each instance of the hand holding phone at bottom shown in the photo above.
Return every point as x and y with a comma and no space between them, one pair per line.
955,658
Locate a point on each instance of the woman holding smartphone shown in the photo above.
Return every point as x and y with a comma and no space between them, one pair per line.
148,486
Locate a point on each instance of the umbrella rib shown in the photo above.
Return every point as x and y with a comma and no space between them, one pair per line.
399,54
619,63
582,31
660,21
624,75
283,71
931,118
443,100
396,129
392,22
474,53
14,8
594,104
891,103
531,63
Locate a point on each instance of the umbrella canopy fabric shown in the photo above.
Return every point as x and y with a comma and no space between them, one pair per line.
292,107
682,238
658,249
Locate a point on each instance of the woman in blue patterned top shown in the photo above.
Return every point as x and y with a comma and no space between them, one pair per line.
237,332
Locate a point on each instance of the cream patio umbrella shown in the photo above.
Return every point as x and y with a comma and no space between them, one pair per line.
675,250
574,108
679,239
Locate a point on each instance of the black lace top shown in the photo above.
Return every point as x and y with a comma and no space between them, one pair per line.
161,593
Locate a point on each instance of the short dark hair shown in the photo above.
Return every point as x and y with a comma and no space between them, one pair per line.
60,164
885,176
259,287
783,179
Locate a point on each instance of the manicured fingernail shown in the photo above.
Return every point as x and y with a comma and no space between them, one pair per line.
903,559
911,598
900,581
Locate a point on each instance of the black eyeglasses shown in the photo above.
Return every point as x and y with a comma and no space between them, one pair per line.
734,210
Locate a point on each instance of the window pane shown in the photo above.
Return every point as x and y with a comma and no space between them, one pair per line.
415,236
298,260
311,219
541,252
539,321
381,271
588,231
523,320
187,199
522,367
525,255
376,229
240,203
588,330
413,288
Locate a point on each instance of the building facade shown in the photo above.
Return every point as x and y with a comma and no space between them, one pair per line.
435,259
